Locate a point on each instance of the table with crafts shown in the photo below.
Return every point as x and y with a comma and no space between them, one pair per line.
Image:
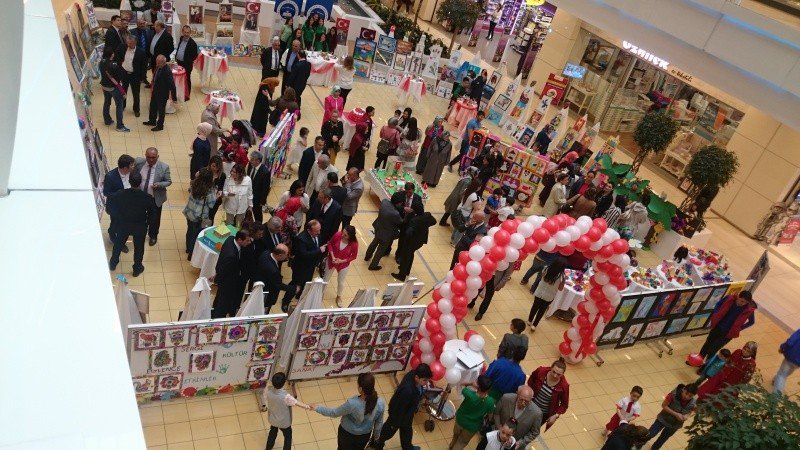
229,103
211,63
411,88
181,87
575,284
206,250
349,121
463,111
385,182
323,69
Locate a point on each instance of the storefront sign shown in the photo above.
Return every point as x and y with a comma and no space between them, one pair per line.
645,55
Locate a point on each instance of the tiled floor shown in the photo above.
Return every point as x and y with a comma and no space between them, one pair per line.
232,422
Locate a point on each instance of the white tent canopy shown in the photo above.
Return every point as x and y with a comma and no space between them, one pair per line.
198,302
126,307
254,304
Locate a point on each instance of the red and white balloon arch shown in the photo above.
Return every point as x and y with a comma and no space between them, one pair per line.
513,241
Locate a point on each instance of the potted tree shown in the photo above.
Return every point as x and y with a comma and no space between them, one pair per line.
459,14
710,169
653,134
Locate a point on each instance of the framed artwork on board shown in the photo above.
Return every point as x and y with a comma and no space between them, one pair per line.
698,321
676,325
495,116
362,69
195,14
735,288
716,296
644,306
611,336
494,80
663,304
630,335
626,307
693,307
681,301
653,329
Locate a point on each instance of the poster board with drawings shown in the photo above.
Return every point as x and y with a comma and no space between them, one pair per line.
203,357
349,341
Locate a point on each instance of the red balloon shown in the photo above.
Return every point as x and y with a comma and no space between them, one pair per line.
606,251
590,348
562,220
463,257
541,235
601,224
582,308
620,246
469,334
620,285
436,295
571,220
458,287
459,301
485,276
594,234
583,321
414,361
566,337
497,253
502,238
488,265
604,266
589,254
566,250
531,245
438,339
551,226
438,370
460,272
432,325
522,254
509,226
460,314
415,349
603,305
608,315
586,333
597,294
614,271
433,310
582,244
563,348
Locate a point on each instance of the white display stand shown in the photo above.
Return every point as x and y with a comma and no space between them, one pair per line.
249,37
669,241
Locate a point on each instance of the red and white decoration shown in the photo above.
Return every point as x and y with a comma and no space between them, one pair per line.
211,63
514,240
411,87
229,103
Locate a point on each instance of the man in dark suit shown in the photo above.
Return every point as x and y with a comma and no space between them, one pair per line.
133,62
416,236
185,55
143,35
338,192
163,88
309,158
115,181
298,78
271,59
328,213
230,275
307,256
273,235
410,206
114,33
252,252
261,178
160,45
269,273
133,209
288,60
387,228
475,229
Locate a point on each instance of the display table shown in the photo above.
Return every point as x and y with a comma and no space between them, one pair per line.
669,241
229,102
575,285
384,182
211,63
349,121
249,37
463,111
677,275
412,87
323,70
468,376
204,255
641,279
181,87
709,267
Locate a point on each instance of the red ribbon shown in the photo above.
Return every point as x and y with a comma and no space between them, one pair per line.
404,85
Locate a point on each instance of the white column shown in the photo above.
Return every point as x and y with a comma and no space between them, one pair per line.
11,52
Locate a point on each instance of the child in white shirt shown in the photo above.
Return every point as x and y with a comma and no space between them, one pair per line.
628,409
501,439
296,154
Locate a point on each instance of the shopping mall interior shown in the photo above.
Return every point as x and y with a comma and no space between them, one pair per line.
727,72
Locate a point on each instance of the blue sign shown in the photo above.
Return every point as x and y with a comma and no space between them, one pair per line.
288,8
322,7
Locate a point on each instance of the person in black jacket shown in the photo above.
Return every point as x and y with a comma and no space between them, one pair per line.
338,193
271,59
604,200
115,181
161,44
328,213
230,275
185,55
111,83
307,256
626,437
416,236
133,210
114,33
133,62
309,158
403,406
410,205
163,88
332,131
269,273
261,178
476,87
298,78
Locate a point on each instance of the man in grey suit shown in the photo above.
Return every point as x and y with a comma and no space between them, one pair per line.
155,180
528,422
387,229
354,188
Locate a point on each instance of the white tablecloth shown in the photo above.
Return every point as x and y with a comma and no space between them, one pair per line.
210,65
229,105
467,375
204,257
323,71
249,37
410,89
566,299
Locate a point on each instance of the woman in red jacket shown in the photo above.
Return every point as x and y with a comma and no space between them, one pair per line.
738,370
550,391
342,249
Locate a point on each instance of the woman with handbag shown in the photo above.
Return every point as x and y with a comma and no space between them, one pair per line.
217,184
238,196
390,140
198,208
557,197
582,204
409,145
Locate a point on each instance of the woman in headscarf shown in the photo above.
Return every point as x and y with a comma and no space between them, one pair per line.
333,102
261,107
201,150
356,149
549,179
437,155
433,130
738,370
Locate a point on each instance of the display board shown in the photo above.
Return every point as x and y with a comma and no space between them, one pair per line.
276,144
349,341
666,313
196,358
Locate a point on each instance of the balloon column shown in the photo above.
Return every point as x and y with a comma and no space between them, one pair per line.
514,240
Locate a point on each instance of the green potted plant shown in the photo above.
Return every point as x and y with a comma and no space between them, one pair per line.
460,14
709,170
653,134
744,417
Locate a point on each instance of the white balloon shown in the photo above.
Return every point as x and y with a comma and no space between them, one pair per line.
616,297
616,260
606,239
525,229
424,331
448,321
449,277
536,221
453,375
562,238
517,241
572,359
575,321
512,255
583,223
613,233
425,345
471,293
575,345
492,231
448,359
591,308
610,290
486,242
477,252
502,265
474,267
598,331
427,358
451,334
626,262
474,283
476,343
445,291
615,300
445,305
574,232
548,246
601,278
596,245
572,334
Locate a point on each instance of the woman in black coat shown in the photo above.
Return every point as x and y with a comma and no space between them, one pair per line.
261,107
